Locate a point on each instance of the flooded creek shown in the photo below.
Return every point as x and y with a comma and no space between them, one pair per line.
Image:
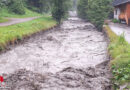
70,57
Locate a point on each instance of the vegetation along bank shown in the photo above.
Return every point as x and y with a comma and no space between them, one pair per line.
119,50
29,8
96,11
10,34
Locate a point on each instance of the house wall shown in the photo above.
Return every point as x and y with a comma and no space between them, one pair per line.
128,10
128,13
122,15
116,13
122,12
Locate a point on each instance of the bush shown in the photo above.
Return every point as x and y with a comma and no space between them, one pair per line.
96,11
60,9
82,7
17,7
115,21
120,53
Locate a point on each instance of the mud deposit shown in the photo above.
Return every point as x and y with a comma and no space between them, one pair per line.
71,57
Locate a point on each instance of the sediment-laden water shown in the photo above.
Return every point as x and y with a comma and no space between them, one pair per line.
70,57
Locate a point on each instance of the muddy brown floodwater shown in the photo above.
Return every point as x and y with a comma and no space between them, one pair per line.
70,57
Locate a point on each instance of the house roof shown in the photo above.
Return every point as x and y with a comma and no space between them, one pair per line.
119,2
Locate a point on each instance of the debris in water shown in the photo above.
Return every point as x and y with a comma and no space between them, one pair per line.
69,57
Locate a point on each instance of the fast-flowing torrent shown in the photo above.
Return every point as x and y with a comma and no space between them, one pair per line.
70,57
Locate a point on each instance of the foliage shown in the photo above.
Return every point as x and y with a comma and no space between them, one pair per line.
39,5
3,20
1,4
115,21
120,53
16,6
28,13
95,11
13,33
60,9
82,8
73,4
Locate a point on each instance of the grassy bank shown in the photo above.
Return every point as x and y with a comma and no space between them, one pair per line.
119,50
28,13
4,13
10,34
2,20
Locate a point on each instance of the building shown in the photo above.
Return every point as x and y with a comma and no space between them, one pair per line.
122,10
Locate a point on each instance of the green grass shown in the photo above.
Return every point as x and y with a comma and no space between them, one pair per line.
13,33
2,20
119,50
5,13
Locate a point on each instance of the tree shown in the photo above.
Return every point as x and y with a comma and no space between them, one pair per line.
82,8
95,11
16,6
60,9
40,6
75,4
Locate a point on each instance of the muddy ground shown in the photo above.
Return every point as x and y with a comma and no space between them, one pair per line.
70,57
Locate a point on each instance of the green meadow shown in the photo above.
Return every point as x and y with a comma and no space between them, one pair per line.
10,34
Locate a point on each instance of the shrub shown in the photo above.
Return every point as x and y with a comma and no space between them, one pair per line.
16,6
82,7
115,21
120,53
60,9
96,11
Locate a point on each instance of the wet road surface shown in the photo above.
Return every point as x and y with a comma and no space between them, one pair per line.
120,29
70,57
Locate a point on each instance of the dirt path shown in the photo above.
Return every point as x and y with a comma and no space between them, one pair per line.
13,21
72,57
